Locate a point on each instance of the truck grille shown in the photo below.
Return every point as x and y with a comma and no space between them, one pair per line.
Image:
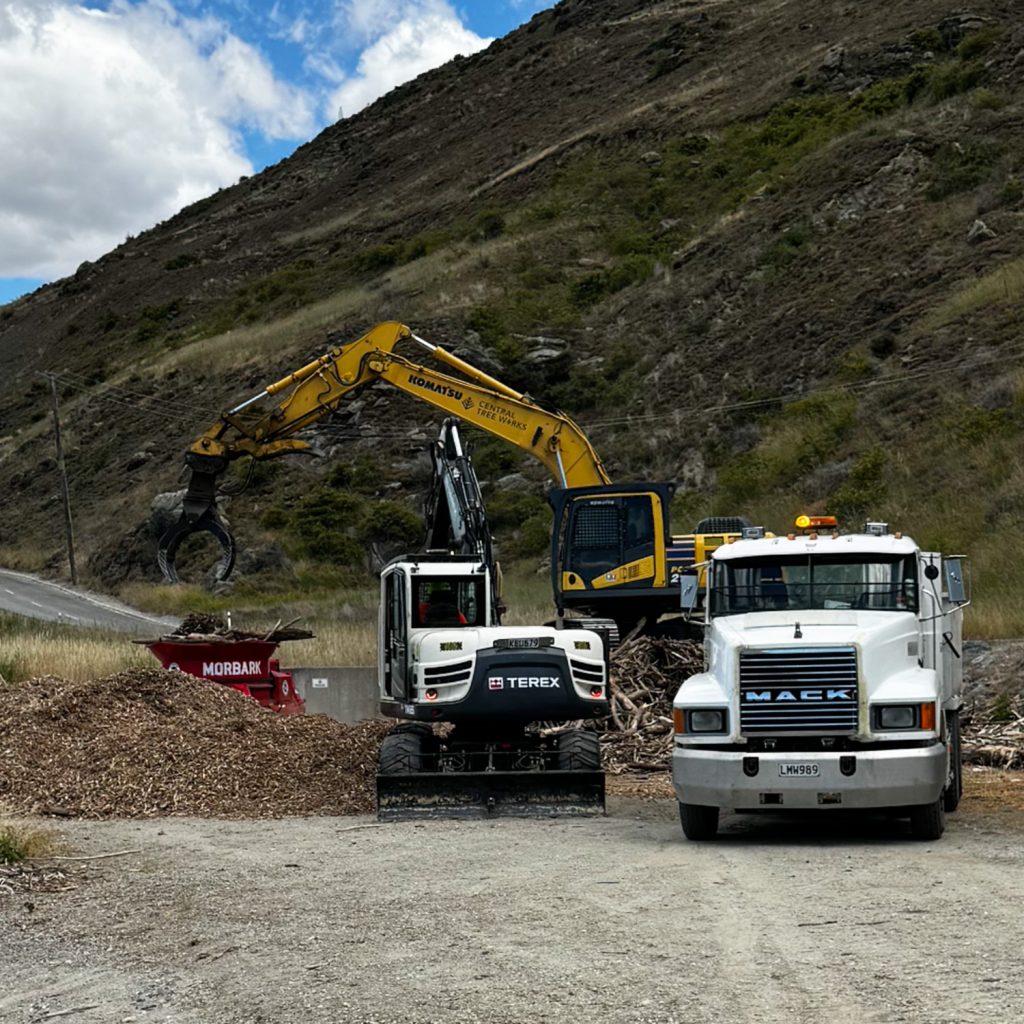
798,689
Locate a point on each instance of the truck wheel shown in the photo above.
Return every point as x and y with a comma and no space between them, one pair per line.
698,822
401,752
955,784
579,750
928,821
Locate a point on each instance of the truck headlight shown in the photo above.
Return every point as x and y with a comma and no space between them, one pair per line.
706,720
896,716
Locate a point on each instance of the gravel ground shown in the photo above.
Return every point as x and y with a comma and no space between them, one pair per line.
608,920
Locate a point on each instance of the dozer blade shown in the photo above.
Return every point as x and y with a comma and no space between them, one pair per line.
405,796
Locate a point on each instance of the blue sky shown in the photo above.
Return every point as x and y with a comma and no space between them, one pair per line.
119,112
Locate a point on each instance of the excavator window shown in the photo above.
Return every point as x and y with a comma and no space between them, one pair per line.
609,532
450,601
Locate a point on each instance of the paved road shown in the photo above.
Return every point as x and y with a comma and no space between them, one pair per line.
610,921
40,599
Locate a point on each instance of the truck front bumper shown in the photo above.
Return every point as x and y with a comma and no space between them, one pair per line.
900,777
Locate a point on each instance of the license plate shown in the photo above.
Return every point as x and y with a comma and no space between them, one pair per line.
803,769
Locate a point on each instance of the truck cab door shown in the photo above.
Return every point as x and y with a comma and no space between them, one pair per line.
396,637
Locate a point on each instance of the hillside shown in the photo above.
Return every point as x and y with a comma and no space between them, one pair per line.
752,229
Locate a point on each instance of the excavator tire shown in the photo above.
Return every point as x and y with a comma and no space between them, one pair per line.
579,750
401,752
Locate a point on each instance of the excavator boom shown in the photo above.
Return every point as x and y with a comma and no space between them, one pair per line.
613,553
317,389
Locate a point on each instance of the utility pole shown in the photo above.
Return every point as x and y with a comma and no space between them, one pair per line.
62,469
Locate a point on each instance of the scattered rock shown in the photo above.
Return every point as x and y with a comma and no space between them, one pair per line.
261,558
165,510
957,27
512,482
835,57
539,341
652,158
895,181
542,351
979,232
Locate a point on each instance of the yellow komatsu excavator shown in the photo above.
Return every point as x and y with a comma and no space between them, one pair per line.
612,552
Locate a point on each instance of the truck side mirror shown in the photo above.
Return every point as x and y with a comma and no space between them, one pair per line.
955,587
689,590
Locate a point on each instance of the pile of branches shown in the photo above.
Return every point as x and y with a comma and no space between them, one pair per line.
646,673
212,629
994,733
146,742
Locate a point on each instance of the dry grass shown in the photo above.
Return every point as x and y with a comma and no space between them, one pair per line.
245,345
161,599
336,643
30,648
23,557
1005,284
22,841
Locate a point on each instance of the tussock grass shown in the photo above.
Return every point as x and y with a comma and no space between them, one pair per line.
31,648
23,557
179,599
1003,285
336,643
241,345
25,841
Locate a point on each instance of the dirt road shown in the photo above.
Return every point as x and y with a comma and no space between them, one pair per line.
614,919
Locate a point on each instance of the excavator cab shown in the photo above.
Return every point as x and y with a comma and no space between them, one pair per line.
608,546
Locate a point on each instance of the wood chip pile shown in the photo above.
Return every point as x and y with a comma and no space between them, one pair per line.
993,734
148,742
646,673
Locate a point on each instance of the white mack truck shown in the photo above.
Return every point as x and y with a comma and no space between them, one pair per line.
832,678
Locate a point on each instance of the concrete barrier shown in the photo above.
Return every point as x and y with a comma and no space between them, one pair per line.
346,694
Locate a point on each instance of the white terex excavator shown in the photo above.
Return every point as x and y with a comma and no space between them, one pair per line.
444,657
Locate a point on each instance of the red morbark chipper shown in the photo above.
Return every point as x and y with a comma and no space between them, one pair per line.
245,663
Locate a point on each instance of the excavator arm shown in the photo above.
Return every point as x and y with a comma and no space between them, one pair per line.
317,389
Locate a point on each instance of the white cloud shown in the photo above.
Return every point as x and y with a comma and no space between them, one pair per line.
112,121
418,35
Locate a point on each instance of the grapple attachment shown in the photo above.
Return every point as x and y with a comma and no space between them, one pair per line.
172,538
199,515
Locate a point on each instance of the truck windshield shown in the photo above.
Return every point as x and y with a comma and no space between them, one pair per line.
865,581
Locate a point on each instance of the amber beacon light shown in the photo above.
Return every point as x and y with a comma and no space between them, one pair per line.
815,522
